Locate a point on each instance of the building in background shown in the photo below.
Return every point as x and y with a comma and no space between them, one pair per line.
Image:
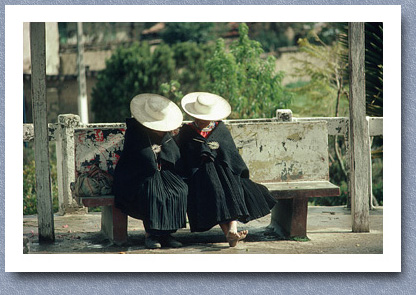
61,60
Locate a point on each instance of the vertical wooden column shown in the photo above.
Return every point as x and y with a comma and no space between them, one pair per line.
82,81
41,139
358,134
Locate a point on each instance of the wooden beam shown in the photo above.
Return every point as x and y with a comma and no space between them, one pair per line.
41,140
82,81
358,136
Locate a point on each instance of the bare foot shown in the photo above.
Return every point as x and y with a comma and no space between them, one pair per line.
234,237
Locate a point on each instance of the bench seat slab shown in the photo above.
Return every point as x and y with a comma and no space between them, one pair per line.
97,201
305,189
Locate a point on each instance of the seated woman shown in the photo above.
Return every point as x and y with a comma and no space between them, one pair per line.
146,183
220,191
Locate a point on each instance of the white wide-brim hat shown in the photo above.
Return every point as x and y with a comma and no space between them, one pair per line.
156,112
206,106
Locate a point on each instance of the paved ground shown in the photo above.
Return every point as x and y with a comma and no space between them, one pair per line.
329,232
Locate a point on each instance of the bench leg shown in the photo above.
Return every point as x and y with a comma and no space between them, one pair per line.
114,224
291,215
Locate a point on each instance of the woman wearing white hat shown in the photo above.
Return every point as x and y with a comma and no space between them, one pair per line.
220,191
146,184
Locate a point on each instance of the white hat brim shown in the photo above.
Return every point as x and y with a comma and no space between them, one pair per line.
219,111
172,120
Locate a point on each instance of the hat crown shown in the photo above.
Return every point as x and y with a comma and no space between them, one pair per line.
204,103
156,107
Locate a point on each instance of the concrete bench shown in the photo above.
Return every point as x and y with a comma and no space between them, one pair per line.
290,158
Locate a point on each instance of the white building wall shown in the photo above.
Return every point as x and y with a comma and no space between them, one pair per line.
52,48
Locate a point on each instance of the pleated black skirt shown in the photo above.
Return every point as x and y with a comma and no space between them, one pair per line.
161,202
216,195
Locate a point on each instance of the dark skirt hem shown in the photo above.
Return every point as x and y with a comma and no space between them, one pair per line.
160,202
217,195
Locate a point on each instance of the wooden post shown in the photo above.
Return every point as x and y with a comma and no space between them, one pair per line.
358,130
82,81
41,140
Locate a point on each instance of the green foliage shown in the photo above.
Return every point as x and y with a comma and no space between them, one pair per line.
190,61
274,35
130,71
29,180
172,91
373,65
244,78
190,74
374,68
29,188
240,75
327,70
178,32
271,35
303,106
139,69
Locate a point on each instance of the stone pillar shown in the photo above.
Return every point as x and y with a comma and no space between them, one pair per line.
284,115
65,156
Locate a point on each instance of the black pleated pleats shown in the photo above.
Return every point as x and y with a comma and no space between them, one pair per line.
217,195
162,201
257,198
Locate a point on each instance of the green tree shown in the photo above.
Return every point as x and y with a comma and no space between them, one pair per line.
374,68
326,67
190,61
373,65
190,73
130,71
178,32
247,80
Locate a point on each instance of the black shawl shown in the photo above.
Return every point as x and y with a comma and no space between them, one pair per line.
219,147
137,161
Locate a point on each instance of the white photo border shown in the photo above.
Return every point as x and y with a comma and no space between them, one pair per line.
389,261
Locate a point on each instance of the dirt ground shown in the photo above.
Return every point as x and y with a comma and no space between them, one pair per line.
329,232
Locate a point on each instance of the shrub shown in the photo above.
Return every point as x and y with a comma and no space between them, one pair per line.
29,180
178,32
130,71
246,79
